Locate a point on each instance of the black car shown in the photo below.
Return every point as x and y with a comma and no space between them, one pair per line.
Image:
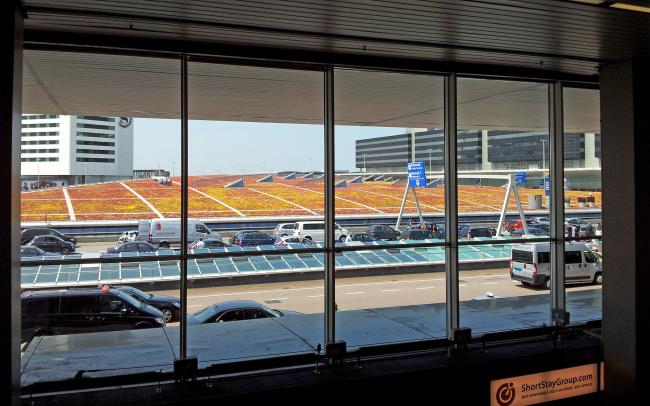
474,232
52,243
135,246
383,232
361,237
209,243
28,234
415,234
252,238
532,230
86,310
168,305
234,310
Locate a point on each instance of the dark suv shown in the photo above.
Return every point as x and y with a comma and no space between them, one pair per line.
474,232
252,238
28,234
84,310
417,234
383,232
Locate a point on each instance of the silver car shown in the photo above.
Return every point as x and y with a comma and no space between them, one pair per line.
283,230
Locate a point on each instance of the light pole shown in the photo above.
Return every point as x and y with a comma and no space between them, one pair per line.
543,154
364,163
430,169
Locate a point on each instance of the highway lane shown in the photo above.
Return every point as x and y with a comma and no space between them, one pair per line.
365,292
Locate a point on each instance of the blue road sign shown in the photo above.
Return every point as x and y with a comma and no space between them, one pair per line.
520,177
547,186
416,174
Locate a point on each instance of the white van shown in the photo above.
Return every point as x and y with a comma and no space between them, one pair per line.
315,231
530,264
165,232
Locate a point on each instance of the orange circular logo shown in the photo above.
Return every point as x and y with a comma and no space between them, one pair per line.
506,394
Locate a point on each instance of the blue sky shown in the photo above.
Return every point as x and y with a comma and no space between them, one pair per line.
236,147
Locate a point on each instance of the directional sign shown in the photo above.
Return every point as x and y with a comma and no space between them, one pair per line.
520,177
547,186
416,175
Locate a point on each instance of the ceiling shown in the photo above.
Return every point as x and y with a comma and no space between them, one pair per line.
57,82
548,35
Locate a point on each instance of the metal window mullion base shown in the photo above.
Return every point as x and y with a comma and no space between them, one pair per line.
451,208
558,314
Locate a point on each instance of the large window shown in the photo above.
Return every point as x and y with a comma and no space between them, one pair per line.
439,220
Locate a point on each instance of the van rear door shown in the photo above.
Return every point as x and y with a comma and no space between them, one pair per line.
522,265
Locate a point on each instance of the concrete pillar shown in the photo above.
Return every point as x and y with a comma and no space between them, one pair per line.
626,220
590,151
486,165
11,74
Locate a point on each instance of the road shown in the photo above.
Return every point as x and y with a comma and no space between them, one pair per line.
365,292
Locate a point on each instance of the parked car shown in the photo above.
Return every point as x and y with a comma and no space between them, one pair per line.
29,251
283,230
136,246
315,231
361,237
209,243
474,232
252,238
383,232
234,310
415,234
532,230
165,232
83,310
28,235
283,241
169,305
52,243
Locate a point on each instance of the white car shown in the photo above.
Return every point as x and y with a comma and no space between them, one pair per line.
127,236
315,231
283,230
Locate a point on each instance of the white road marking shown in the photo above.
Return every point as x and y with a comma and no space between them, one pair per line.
145,201
315,296
214,199
462,284
489,283
426,287
277,298
355,293
68,203
391,290
283,200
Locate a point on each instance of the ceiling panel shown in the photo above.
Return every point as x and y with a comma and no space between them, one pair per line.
554,35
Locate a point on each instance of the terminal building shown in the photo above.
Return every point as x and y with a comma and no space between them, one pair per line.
67,150
484,151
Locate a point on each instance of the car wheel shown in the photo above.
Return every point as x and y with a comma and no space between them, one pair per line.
342,238
168,313
65,251
598,278
547,283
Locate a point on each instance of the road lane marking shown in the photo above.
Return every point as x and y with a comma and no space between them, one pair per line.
489,283
277,298
425,287
315,296
390,290
355,293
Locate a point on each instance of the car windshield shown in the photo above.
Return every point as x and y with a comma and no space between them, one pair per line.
140,293
130,300
204,314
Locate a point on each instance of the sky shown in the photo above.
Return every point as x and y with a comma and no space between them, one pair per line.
219,147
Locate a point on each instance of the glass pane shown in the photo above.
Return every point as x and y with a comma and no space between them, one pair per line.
384,123
583,203
92,187
503,154
255,163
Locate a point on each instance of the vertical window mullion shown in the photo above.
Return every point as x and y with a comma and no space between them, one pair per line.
184,204
556,152
451,206
330,254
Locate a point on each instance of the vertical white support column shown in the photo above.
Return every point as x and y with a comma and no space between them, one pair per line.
451,207
556,151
